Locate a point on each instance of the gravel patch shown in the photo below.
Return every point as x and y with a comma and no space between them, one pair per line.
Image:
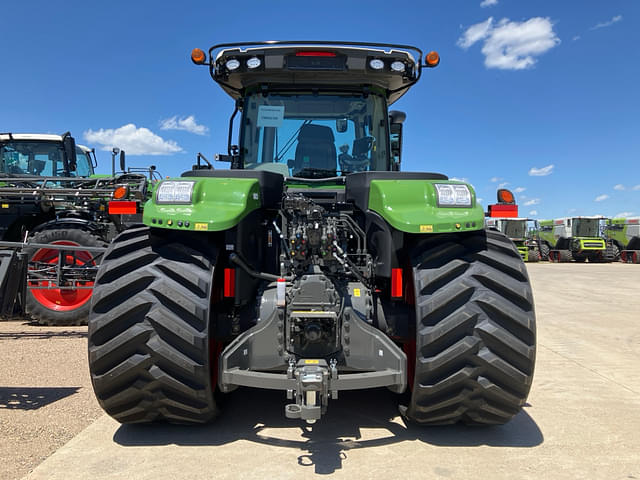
45,393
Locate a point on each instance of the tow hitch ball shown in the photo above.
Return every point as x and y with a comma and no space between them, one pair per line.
312,378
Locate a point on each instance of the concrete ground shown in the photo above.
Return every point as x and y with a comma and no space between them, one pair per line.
582,419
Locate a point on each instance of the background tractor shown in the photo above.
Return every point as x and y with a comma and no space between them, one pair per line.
576,238
310,271
624,237
51,204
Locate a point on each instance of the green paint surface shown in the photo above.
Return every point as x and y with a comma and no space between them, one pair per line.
217,204
411,206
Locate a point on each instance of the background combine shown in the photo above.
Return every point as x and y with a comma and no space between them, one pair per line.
624,237
576,238
523,232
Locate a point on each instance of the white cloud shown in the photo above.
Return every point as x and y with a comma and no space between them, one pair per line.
479,200
496,179
503,184
188,124
475,33
533,212
533,201
488,3
519,189
541,172
619,187
608,23
624,214
576,38
134,140
511,45
637,187
601,198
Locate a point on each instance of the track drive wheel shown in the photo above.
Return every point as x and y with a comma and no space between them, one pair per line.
149,343
60,306
475,330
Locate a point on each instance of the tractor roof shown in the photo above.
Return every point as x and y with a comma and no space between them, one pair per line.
42,137
304,65
632,220
585,217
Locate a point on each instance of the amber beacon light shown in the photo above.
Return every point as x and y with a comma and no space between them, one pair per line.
505,196
432,59
198,56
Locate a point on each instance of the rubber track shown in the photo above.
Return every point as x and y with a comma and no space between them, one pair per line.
148,329
475,339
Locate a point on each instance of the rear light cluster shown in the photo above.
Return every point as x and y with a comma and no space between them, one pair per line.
123,207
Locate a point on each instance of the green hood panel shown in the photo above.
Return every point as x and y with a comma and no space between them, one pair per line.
411,206
217,204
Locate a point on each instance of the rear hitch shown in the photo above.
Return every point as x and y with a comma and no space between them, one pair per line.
311,394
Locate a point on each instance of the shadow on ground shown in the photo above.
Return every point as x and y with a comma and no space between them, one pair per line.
41,335
32,398
257,417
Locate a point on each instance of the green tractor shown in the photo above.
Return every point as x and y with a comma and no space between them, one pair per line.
576,238
624,236
313,265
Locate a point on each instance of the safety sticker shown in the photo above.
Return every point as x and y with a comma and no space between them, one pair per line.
270,116
356,292
202,226
426,228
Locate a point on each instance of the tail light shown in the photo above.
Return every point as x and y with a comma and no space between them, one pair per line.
396,283
229,282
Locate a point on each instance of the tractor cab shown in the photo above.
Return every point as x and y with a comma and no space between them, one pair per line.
44,155
315,110
586,226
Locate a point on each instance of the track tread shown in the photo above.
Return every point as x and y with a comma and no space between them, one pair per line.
475,338
149,329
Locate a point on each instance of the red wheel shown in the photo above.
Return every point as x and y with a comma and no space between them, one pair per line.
62,304
61,299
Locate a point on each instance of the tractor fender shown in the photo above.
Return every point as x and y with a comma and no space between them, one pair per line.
409,202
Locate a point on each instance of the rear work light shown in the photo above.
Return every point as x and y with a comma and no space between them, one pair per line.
123,208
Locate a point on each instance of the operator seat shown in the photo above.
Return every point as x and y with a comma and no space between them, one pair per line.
316,149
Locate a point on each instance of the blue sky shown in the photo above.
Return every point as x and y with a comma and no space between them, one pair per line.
524,87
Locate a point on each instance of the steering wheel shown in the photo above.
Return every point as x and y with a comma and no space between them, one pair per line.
359,161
